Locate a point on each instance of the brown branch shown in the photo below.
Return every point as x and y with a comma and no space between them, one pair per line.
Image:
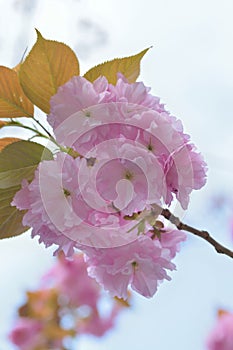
203,234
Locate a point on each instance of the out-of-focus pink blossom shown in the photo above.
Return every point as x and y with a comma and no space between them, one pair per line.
71,279
97,324
221,336
141,264
81,292
26,333
66,292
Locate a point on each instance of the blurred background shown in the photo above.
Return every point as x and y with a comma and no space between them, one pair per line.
190,67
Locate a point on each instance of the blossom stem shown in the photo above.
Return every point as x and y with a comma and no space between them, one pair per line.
42,126
200,233
38,133
51,138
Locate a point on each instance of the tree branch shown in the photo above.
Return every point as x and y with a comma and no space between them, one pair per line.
203,234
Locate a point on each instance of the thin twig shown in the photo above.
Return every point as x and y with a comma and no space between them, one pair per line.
203,234
51,138
42,126
20,125
38,133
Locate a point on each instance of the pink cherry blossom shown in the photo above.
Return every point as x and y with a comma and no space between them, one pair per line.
136,180
78,94
70,213
143,264
184,173
133,154
128,111
170,241
136,93
48,211
221,336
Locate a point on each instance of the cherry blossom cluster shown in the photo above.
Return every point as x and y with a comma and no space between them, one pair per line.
122,156
66,292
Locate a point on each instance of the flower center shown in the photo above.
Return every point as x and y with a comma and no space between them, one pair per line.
135,265
87,114
150,147
66,192
128,175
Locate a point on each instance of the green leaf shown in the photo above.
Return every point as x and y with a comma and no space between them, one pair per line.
18,161
128,66
48,65
10,217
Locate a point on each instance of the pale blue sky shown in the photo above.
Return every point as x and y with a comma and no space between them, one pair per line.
190,68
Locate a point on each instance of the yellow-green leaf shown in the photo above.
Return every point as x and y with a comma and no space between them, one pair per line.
48,65
6,140
18,161
10,217
13,102
128,66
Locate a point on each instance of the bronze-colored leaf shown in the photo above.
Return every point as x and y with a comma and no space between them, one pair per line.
6,140
128,66
13,102
48,65
17,68
3,123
